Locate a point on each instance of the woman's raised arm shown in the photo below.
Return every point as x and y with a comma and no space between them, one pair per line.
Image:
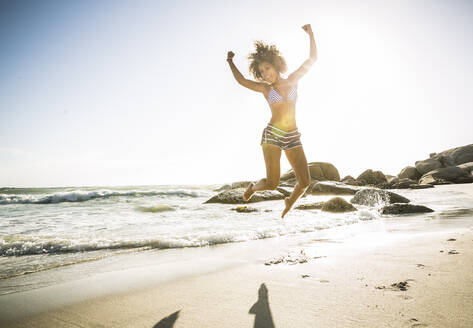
300,72
252,85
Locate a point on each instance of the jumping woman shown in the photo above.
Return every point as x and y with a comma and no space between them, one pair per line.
266,65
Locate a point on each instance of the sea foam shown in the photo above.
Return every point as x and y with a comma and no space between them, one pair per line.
82,196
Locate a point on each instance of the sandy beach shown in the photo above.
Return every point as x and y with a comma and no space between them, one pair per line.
396,272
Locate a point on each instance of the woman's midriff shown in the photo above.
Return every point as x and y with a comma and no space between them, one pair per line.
284,116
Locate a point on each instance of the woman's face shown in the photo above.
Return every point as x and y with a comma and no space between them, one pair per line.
268,72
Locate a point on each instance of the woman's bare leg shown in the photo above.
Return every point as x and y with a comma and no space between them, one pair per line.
298,161
272,158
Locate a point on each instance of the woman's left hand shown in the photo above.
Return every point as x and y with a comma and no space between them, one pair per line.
307,28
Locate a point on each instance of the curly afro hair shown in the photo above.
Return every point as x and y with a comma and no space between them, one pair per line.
266,53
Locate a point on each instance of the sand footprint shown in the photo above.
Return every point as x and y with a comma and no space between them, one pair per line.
416,323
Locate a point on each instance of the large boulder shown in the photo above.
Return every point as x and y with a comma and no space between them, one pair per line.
235,196
376,197
409,172
428,165
460,155
370,177
451,174
450,157
331,188
338,205
404,209
318,171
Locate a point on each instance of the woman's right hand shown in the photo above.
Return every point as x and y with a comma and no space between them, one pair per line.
230,55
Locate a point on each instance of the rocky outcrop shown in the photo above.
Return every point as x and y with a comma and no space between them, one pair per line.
235,196
409,172
445,175
370,177
318,171
376,197
338,205
405,209
331,188
450,157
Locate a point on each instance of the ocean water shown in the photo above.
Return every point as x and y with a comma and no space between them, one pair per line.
43,229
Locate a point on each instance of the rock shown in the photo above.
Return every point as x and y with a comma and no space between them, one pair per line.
459,155
370,177
349,180
428,165
318,171
404,209
409,172
354,183
244,209
331,188
235,196
402,183
446,160
450,157
234,185
312,206
338,205
224,187
241,184
348,177
428,179
374,197
390,178
288,183
467,166
284,191
451,174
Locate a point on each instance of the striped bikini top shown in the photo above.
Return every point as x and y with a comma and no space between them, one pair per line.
274,96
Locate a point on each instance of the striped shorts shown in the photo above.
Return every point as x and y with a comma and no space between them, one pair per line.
283,139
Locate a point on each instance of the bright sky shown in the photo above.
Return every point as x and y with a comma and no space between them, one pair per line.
104,93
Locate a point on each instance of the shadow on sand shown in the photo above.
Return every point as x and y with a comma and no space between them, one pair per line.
261,310
168,322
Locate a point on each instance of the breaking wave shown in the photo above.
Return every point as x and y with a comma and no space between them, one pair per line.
83,196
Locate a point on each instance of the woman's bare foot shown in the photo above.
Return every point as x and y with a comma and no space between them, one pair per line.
249,192
288,206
